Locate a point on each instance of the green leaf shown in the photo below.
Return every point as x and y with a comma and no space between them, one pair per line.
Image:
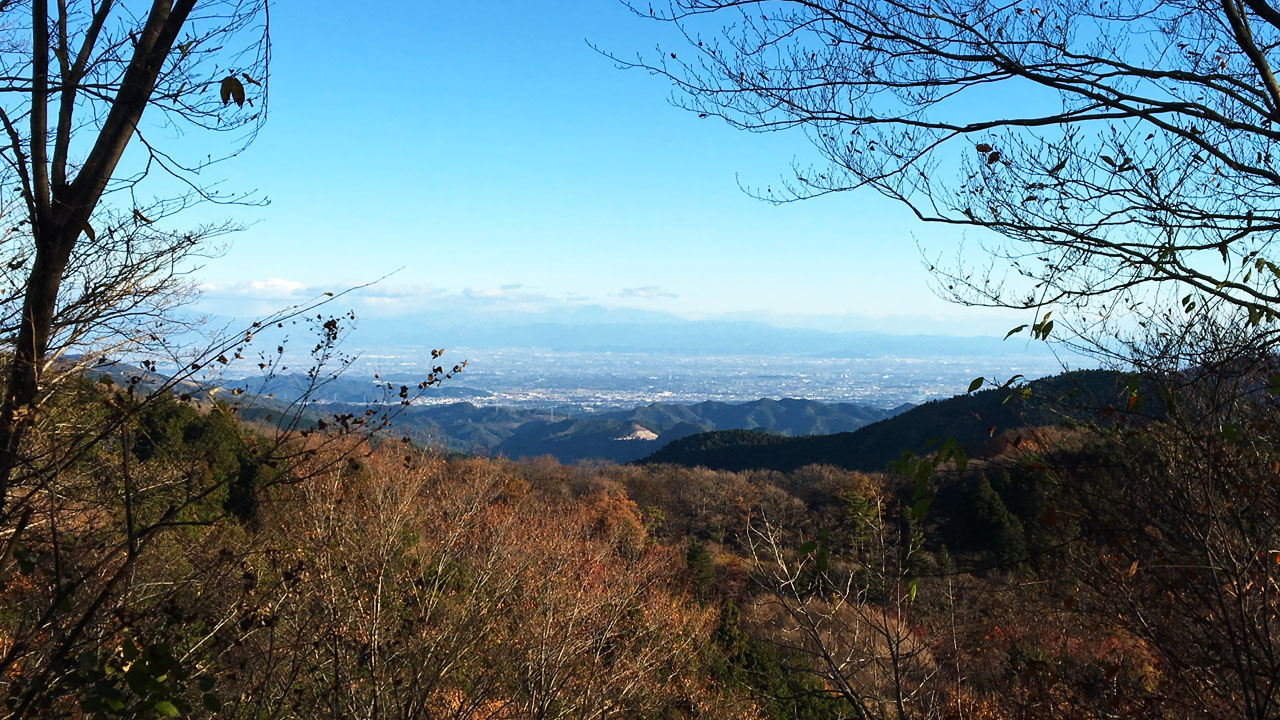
808,547
912,586
977,383
166,708
921,508
1009,383
1022,393
138,678
211,702
26,559
1015,331
923,471
1131,384
206,684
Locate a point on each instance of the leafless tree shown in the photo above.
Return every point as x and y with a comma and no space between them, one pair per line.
1117,160
850,613
87,256
1109,156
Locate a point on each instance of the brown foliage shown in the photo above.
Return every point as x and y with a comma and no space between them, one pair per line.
424,588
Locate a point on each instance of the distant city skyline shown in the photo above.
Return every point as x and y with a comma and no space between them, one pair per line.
504,166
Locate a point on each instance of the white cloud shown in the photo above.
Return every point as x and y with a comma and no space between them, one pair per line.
512,296
276,287
484,293
646,292
256,297
268,289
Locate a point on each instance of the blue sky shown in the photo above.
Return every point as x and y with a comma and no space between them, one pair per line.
486,151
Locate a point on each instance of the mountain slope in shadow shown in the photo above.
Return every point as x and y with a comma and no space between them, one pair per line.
971,420
628,435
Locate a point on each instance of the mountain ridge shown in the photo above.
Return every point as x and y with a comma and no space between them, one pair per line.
970,419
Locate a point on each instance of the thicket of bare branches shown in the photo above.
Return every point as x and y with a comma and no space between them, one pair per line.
1115,162
90,254
1110,157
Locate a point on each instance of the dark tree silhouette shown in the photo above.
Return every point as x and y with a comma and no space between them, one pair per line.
1118,152
78,77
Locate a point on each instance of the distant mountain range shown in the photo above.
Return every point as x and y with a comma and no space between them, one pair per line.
971,420
598,329
345,389
694,338
618,436
632,434
773,434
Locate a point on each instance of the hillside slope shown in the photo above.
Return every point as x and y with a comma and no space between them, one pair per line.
971,420
632,434
619,436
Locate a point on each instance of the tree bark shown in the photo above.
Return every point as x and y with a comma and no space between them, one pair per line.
62,215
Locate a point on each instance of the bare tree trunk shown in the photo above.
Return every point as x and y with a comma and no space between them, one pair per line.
22,389
61,213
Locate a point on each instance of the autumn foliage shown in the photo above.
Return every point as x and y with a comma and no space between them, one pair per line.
187,566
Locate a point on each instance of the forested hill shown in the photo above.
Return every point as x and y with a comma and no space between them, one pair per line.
618,435
971,420
628,435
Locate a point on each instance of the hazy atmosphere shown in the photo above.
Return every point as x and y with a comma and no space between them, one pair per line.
702,360
464,131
